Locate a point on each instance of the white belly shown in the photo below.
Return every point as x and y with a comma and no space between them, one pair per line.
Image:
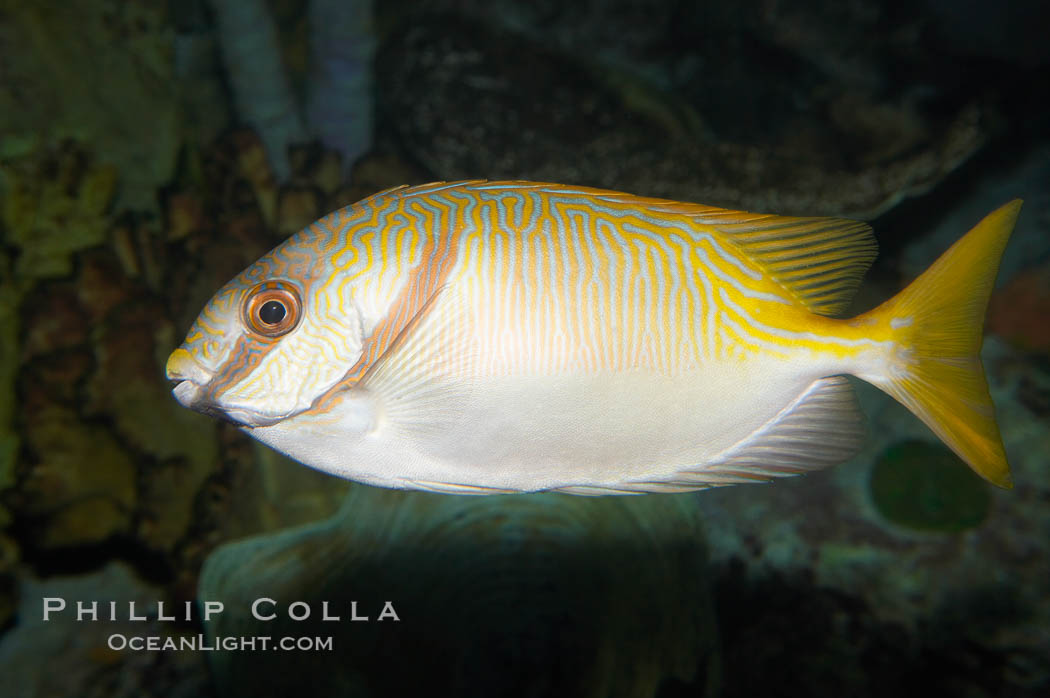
543,432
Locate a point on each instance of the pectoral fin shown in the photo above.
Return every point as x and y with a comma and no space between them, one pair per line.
418,381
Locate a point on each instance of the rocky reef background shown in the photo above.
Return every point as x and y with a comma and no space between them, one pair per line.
150,150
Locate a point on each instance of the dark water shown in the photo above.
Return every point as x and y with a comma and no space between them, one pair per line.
151,150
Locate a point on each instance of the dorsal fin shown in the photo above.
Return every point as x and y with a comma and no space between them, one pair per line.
819,260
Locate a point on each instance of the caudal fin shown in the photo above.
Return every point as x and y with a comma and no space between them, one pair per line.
938,319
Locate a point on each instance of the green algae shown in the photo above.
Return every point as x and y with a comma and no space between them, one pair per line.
926,487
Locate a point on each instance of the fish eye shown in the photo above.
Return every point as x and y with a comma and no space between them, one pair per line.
272,309
272,312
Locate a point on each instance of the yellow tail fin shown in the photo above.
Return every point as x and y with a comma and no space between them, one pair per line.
939,319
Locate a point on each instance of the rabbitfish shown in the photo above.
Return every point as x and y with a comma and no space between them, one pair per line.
481,337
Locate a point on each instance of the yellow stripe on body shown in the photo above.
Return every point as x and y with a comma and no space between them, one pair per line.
623,288
559,279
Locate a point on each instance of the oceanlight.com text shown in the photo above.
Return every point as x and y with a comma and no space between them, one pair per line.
231,643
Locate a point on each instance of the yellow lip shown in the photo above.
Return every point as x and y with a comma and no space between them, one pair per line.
182,366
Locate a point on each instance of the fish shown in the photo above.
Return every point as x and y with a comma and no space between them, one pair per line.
486,337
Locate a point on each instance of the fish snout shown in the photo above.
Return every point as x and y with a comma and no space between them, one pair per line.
190,377
182,366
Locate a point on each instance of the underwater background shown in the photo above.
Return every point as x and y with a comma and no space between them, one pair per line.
151,149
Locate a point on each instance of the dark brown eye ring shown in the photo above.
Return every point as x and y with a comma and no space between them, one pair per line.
273,309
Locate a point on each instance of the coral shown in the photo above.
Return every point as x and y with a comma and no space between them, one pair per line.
55,203
297,207
66,657
825,532
91,380
260,85
101,286
339,100
316,177
1026,176
375,172
9,333
253,166
54,321
8,599
926,487
203,96
129,387
323,167
274,51
82,487
536,594
100,73
471,99
9,555
185,214
1019,310
284,494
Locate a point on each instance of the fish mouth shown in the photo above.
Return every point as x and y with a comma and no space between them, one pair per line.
190,379
193,396
190,390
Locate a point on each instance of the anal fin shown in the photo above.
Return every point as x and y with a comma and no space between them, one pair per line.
822,427
455,488
595,491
